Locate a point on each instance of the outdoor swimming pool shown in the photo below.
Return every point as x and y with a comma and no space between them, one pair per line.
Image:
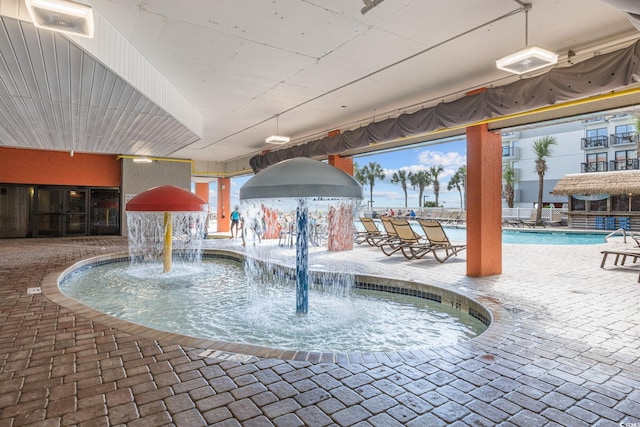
535,237
524,236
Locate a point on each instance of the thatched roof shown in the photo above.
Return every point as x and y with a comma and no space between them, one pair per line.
614,183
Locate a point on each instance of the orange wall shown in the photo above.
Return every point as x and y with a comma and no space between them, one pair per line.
18,166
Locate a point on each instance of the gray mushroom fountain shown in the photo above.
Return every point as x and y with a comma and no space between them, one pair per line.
302,179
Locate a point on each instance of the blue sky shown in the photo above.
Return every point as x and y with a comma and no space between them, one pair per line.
451,155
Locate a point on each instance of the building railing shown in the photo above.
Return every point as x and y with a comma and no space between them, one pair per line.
624,138
594,142
623,165
594,167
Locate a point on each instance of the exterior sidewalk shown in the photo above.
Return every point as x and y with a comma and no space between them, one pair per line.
571,354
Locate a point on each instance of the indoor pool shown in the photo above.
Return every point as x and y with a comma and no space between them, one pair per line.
214,300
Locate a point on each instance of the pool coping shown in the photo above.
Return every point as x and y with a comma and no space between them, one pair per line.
500,327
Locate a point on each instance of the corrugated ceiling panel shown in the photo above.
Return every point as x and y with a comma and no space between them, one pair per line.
55,96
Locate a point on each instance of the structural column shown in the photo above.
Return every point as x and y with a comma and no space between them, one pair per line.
484,202
224,201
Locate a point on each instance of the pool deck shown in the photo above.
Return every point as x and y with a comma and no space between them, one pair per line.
567,352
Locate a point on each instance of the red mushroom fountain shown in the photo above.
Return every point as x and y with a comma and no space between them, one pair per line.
168,199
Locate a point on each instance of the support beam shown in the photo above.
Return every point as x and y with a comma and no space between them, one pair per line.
484,202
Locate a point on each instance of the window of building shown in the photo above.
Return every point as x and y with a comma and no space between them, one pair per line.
596,162
626,159
625,129
598,205
595,133
578,204
620,203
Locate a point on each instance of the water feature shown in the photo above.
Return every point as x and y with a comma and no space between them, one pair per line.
219,300
253,305
163,216
301,179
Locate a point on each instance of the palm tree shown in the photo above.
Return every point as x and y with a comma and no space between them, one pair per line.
434,171
402,178
542,149
509,178
458,181
367,175
420,179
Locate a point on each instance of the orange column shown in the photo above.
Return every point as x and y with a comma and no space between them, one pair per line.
484,204
224,200
202,191
345,164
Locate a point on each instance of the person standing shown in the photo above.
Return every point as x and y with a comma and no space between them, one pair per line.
235,222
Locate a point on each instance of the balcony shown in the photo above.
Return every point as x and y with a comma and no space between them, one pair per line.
510,153
624,138
594,167
623,165
595,142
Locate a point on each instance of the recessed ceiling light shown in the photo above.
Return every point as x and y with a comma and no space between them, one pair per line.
62,16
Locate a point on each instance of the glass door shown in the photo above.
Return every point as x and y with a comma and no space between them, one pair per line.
60,212
76,215
49,207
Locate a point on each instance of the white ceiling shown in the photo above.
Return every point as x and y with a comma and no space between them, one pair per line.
318,65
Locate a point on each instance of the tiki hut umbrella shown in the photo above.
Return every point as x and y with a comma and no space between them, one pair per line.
301,178
167,199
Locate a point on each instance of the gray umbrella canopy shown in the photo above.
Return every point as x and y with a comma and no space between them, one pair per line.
301,177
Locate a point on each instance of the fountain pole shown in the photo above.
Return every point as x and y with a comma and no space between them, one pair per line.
302,258
168,249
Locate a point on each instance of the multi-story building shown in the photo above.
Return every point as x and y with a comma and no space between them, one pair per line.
599,143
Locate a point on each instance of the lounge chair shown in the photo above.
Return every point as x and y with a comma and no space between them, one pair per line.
531,222
411,244
441,246
556,219
371,234
389,235
621,256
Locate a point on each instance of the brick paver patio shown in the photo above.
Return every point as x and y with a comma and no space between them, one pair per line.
570,354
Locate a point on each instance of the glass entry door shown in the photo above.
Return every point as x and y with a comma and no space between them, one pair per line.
60,212
76,214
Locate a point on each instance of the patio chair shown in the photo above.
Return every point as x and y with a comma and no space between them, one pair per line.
441,246
531,222
371,234
556,219
411,244
390,234
621,256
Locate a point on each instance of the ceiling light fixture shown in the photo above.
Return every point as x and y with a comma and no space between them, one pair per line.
277,139
530,58
62,16
142,160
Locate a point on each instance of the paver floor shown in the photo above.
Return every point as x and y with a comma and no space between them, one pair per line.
570,356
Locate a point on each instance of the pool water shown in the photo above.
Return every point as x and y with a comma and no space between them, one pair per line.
215,301
535,237
531,237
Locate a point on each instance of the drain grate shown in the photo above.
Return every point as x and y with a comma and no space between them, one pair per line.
33,291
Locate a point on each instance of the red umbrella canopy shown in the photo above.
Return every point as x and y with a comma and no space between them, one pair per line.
166,198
